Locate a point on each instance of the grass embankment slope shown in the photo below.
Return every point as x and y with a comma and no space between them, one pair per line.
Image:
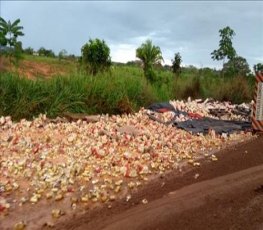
41,67
66,88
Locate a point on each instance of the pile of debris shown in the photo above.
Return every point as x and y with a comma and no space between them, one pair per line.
200,116
51,168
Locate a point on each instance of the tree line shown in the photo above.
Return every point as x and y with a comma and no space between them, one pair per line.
95,54
63,54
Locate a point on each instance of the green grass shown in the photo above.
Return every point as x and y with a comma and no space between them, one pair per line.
23,98
69,66
42,59
122,90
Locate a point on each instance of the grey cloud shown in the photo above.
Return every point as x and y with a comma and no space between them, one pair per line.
187,27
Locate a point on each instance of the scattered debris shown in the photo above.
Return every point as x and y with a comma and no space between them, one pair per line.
214,158
56,213
20,225
196,175
199,117
102,159
128,197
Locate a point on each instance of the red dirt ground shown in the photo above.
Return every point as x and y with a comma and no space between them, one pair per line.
32,69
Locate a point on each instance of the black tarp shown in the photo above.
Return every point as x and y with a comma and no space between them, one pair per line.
203,125
161,105
157,107
200,125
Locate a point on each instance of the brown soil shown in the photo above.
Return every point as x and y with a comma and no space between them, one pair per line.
228,194
32,69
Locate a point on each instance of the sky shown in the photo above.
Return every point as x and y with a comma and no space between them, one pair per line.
188,27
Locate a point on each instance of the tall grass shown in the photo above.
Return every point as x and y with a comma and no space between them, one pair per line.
24,98
123,90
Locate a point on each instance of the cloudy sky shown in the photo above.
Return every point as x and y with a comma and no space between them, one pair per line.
189,27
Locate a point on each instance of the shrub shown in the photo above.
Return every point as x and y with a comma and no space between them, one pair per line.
95,56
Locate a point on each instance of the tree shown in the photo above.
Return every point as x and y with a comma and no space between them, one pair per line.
134,63
17,53
45,52
225,50
3,41
95,56
9,32
150,55
42,51
176,64
237,66
29,51
62,54
71,57
258,67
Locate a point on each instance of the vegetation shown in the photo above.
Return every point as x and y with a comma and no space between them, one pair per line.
125,91
176,64
45,52
150,56
237,66
62,54
226,49
258,67
9,32
96,56
28,51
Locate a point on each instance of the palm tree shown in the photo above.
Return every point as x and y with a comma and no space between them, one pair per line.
150,55
10,32
8,40
3,41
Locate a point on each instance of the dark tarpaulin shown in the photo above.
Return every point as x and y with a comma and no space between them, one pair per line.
219,126
161,105
200,124
165,107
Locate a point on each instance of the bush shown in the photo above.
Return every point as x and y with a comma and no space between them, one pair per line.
45,52
258,67
95,56
28,51
236,90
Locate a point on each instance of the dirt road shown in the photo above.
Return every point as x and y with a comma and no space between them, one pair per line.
225,194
